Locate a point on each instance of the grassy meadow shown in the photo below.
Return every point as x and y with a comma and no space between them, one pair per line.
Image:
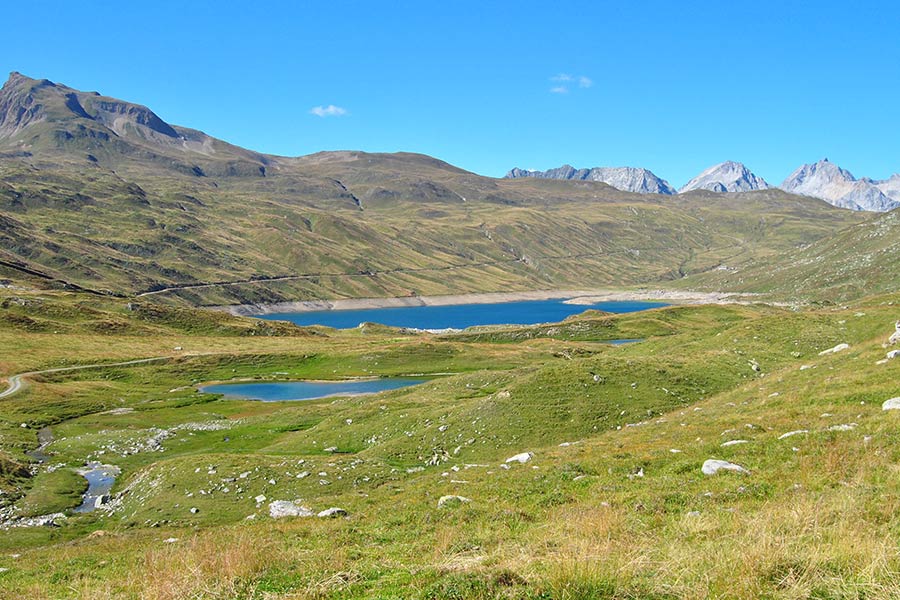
612,504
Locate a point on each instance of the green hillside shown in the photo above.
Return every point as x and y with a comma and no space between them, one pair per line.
102,194
857,261
613,503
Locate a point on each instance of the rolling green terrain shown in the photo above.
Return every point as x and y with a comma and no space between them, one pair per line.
857,261
619,510
537,462
102,194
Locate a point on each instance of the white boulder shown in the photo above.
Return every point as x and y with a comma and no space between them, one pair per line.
843,427
450,500
895,337
332,513
892,404
792,433
522,458
713,466
287,508
835,350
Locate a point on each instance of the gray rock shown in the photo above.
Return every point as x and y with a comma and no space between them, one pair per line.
843,427
728,176
451,500
713,466
892,404
522,458
895,337
332,513
287,508
628,179
835,350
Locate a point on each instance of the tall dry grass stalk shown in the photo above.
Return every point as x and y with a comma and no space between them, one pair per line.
207,566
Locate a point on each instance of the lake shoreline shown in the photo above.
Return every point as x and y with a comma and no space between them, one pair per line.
585,297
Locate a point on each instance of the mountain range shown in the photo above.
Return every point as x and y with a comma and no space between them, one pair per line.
103,194
823,180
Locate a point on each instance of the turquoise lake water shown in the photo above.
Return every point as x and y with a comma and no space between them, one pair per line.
458,316
280,391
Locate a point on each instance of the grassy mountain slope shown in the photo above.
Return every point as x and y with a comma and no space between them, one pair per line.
614,514
105,195
859,260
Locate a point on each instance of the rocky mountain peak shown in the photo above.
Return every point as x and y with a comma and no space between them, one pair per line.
837,186
25,102
629,179
729,176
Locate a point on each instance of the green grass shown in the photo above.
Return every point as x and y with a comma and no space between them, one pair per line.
575,522
52,492
130,211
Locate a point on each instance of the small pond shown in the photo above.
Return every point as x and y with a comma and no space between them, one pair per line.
280,391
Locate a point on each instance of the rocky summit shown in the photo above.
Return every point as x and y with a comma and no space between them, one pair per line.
628,179
728,176
839,187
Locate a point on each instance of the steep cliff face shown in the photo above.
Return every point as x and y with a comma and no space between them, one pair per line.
628,179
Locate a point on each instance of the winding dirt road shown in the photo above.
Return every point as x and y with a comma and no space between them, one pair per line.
16,383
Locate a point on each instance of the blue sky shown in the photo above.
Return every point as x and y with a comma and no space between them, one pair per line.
671,86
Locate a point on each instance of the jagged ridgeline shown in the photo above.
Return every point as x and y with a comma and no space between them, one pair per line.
106,195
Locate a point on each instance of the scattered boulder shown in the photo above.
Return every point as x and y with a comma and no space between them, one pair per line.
333,512
288,508
733,443
792,433
522,458
835,350
893,354
713,466
892,404
101,500
451,500
843,427
895,337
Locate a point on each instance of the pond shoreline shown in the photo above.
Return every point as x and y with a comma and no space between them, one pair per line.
572,296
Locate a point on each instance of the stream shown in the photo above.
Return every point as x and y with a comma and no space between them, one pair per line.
44,436
100,477
100,480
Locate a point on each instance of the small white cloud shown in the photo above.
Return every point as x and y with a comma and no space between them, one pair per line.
328,111
564,82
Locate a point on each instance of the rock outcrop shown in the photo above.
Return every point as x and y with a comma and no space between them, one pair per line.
728,176
628,179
